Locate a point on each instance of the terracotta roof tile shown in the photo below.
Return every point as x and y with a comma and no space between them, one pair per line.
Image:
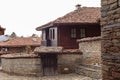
81,15
48,49
18,55
58,50
89,39
4,52
15,42
71,51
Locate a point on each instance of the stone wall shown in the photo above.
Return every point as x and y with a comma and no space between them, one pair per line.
22,66
110,21
0,60
30,64
90,63
67,62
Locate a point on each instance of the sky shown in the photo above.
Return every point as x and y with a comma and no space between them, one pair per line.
24,16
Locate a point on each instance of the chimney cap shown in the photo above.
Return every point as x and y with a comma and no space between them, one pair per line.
78,6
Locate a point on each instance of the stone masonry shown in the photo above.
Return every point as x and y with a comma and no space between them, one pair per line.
110,21
90,62
67,63
22,65
91,48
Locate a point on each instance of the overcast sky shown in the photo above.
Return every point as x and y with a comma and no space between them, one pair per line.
23,16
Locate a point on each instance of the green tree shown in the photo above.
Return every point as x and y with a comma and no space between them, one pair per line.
13,35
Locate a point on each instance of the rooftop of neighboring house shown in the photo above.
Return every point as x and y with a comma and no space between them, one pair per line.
81,15
18,42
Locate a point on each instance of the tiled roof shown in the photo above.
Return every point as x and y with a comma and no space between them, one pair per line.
89,39
71,51
79,16
44,26
57,50
18,55
48,49
16,42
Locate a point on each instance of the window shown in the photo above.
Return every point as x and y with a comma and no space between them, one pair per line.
52,34
82,32
73,33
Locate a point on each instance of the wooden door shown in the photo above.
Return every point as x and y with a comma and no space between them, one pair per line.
49,64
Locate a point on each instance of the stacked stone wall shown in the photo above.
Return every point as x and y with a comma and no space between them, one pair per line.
90,63
22,66
110,21
67,62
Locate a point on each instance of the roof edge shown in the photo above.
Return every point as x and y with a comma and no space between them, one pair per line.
44,26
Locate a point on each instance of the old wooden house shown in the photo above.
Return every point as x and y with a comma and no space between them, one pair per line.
60,51
64,31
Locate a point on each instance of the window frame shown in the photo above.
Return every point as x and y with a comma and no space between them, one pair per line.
73,33
52,34
82,33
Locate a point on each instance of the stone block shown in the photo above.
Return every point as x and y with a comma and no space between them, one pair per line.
105,8
104,2
113,6
119,3
90,72
112,1
116,75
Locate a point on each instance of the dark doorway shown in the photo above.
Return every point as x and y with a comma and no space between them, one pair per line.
49,64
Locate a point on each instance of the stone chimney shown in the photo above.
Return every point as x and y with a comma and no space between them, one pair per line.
78,6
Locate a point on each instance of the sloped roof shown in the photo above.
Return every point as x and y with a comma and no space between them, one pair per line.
17,42
56,50
18,55
89,39
82,15
79,16
47,49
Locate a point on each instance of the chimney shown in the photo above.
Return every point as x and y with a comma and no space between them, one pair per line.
78,6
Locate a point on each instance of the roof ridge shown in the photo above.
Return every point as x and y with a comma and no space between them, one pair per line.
76,16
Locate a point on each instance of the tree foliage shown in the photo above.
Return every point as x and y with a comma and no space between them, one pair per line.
13,35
